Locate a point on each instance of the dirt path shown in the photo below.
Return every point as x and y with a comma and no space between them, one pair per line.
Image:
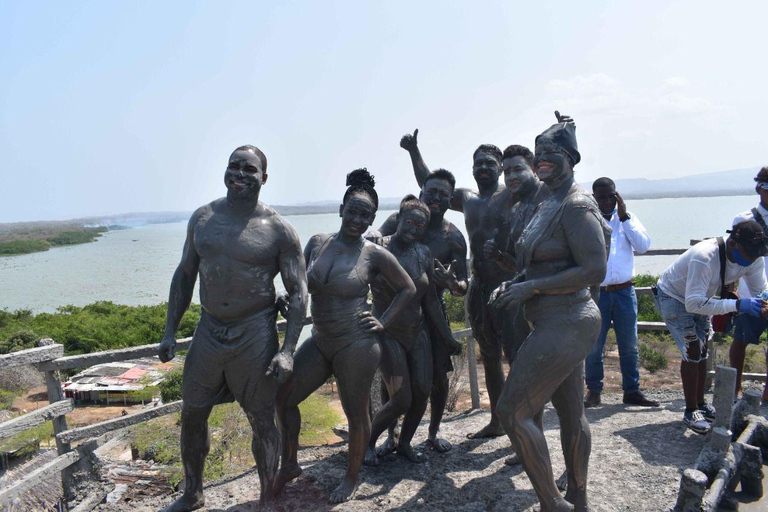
637,457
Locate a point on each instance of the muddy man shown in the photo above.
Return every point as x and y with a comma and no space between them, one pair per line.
237,246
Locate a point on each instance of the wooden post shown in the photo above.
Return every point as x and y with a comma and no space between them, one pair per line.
55,394
474,391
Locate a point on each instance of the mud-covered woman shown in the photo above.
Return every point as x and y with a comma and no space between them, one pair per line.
561,253
344,341
406,364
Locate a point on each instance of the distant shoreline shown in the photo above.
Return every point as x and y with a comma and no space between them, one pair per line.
131,220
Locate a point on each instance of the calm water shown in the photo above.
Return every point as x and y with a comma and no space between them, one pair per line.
135,266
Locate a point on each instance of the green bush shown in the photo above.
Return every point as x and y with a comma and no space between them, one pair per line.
651,359
19,340
455,308
170,387
6,399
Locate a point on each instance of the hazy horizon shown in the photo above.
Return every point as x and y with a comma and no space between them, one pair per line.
129,107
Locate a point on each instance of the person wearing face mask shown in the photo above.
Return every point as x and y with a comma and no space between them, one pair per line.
618,302
345,333
748,328
686,297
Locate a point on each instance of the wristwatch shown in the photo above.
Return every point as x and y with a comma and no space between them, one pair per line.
625,218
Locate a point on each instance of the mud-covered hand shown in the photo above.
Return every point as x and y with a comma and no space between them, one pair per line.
167,349
370,323
281,366
409,142
453,345
490,251
374,236
564,119
444,276
282,303
512,294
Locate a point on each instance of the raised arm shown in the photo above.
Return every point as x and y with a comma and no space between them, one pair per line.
387,266
388,228
410,143
182,287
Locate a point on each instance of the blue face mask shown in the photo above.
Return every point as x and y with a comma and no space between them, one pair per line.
739,259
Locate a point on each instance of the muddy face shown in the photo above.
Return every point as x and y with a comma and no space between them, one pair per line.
411,225
357,214
437,193
517,173
551,164
486,169
244,175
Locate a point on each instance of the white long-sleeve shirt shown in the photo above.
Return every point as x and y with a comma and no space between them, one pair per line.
744,291
627,238
694,279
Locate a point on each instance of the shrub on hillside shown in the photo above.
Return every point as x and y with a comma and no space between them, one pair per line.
651,359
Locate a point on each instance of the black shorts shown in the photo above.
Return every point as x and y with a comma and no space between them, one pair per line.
227,361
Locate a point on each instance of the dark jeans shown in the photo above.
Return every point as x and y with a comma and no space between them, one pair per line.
621,308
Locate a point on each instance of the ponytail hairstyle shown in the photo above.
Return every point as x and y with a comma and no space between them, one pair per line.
360,180
411,202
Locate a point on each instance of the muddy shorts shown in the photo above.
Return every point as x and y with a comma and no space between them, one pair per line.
497,331
690,331
227,361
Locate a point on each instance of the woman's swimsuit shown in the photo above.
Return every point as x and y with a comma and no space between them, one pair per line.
337,302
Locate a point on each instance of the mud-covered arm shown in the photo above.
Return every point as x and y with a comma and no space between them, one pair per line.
293,273
410,143
388,228
458,287
396,278
434,312
182,288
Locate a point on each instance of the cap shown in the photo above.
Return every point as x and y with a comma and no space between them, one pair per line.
751,237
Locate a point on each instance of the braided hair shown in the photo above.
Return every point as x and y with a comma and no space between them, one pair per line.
360,180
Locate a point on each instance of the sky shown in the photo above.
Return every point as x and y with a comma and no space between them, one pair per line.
115,107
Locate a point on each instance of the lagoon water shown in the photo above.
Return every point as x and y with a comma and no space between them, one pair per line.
135,266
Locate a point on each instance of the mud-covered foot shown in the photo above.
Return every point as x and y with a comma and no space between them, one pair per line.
557,505
440,445
412,455
345,491
370,459
562,483
490,430
189,501
286,474
514,460
578,497
386,448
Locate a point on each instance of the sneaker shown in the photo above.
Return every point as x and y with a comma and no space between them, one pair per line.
592,399
695,421
709,412
638,398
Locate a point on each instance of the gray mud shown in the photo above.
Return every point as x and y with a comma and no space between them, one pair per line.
638,455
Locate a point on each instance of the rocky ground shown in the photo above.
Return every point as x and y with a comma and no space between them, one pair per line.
638,455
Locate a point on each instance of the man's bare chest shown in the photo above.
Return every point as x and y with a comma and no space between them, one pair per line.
253,241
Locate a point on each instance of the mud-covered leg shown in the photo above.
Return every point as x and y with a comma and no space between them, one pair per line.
310,371
420,369
265,446
195,445
354,367
437,399
490,354
394,373
575,436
